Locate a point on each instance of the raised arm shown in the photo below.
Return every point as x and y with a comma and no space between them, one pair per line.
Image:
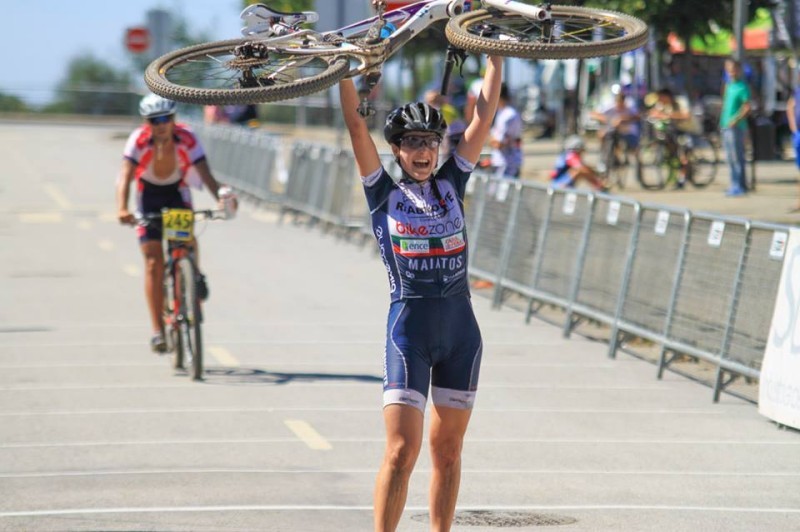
366,154
478,129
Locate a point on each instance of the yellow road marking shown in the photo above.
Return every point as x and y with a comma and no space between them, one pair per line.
131,270
83,224
224,357
105,244
308,435
56,195
265,216
41,217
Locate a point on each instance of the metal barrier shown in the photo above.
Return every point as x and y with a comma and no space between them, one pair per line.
693,284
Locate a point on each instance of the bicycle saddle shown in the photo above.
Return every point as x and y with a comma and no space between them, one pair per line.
264,21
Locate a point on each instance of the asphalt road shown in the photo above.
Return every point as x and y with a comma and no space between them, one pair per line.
285,432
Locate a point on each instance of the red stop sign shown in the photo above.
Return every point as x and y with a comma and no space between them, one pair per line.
137,40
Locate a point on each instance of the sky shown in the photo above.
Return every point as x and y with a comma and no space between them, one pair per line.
38,38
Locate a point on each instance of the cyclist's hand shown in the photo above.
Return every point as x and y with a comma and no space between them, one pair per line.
126,218
379,4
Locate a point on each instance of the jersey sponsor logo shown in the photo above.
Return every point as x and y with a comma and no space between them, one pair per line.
453,243
450,264
445,227
415,247
382,247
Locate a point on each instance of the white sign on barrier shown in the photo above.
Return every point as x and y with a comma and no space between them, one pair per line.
779,386
715,233
662,222
570,201
612,216
778,248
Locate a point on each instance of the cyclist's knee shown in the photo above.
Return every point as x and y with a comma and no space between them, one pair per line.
401,455
446,449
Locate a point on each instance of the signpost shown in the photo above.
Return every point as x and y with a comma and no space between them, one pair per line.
137,39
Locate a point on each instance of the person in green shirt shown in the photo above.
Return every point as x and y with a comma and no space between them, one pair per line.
733,124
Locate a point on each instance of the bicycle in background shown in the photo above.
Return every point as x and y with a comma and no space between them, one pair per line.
617,159
279,59
183,313
671,152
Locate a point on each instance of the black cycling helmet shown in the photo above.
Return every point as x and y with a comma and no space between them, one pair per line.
417,116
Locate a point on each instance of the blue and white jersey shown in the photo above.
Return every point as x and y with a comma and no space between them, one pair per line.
421,235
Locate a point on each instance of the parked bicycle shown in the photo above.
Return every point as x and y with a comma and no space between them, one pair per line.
671,152
279,59
183,313
617,159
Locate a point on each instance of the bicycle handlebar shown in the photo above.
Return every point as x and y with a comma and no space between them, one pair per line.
144,218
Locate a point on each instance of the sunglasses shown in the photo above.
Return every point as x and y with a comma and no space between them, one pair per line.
416,143
160,119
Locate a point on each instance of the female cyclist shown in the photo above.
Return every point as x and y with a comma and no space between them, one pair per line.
433,341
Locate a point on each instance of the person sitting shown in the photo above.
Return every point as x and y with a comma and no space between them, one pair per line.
622,118
570,169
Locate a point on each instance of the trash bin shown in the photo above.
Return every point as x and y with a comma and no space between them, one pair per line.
763,139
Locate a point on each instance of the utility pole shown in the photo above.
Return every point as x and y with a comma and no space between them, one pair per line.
739,14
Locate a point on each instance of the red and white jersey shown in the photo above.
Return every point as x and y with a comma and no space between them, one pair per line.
140,150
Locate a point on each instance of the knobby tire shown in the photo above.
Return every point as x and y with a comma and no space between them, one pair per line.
495,32
209,74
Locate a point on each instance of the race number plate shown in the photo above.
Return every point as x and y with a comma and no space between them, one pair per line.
178,224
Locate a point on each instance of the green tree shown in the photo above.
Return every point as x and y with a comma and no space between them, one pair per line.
12,104
92,86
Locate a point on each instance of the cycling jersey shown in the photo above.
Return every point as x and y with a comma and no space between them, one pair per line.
152,192
420,230
432,336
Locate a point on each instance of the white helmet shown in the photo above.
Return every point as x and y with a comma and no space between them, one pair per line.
154,105
573,143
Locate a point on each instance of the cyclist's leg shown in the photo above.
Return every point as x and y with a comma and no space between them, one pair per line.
454,383
406,380
447,429
154,283
403,442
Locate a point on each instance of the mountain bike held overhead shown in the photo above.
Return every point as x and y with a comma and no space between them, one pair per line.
270,65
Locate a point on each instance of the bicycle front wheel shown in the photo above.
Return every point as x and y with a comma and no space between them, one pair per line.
703,162
190,317
571,33
237,71
654,166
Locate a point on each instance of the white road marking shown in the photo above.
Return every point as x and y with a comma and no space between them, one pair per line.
212,410
57,196
308,435
365,508
41,217
105,244
84,225
475,441
224,357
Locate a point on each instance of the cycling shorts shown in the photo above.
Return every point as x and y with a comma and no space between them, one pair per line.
432,342
153,198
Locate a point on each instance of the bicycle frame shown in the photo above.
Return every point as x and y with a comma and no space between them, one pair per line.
409,21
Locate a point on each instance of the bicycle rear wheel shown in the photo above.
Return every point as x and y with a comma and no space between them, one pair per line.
703,162
654,166
238,71
572,33
190,317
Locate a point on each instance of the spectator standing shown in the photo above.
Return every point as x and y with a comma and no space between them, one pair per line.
505,137
733,124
